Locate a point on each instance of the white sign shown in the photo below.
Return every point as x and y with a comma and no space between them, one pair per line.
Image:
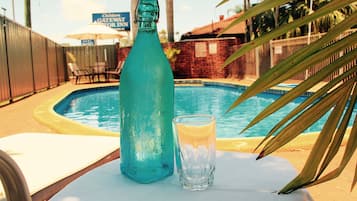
212,48
278,50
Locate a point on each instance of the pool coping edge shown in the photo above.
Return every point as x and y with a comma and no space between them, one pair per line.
45,114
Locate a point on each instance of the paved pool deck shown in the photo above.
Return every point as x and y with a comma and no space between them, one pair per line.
18,117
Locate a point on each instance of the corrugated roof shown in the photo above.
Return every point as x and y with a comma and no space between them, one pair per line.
216,27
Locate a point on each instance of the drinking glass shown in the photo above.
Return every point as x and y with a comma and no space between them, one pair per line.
195,150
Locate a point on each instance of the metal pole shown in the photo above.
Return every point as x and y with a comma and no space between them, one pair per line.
28,13
170,20
134,25
308,38
13,10
309,28
7,56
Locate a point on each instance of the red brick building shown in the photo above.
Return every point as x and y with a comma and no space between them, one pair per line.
203,54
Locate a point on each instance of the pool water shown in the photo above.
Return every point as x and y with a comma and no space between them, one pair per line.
99,108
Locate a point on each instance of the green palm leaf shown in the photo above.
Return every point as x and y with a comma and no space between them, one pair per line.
222,2
350,150
263,6
286,28
313,80
308,173
335,96
338,138
313,98
289,67
305,120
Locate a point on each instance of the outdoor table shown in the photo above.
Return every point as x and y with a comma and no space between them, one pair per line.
97,70
238,176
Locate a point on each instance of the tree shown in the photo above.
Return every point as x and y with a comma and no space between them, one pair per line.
339,95
264,23
134,26
170,20
28,13
294,10
280,15
325,23
163,36
248,22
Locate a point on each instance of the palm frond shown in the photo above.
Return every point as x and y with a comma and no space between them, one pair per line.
334,5
305,119
313,98
313,80
337,97
261,7
340,132
310,170
350,150
334,147
290,66
222,2
354,179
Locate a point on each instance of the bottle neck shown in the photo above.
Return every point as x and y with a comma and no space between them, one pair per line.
146,26
147,15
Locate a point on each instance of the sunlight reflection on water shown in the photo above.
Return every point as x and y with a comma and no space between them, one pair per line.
100,108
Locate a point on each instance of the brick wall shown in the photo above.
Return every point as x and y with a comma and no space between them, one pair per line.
204,58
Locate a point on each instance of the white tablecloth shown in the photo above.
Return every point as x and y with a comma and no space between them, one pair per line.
238,177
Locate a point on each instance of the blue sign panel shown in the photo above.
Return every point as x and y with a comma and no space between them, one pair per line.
87,42
119,21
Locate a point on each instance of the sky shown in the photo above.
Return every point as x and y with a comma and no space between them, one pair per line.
56,18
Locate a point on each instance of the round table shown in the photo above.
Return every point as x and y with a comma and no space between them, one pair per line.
238,176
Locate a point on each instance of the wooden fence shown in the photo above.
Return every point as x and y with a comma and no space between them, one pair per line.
281,49
88,55
29,62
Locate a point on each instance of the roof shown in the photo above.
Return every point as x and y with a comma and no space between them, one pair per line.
216,27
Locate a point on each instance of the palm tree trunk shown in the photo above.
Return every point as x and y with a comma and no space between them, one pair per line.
170,20
276,16
248,22
28,13
134,26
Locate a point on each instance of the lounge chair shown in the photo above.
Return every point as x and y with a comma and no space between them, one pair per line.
78,73
116,73
46,166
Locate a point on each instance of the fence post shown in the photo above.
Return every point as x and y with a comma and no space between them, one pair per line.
4,25
32,66
48,69
57,67
257,62
271,53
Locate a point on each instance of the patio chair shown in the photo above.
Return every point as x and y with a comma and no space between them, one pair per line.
116,73
78,73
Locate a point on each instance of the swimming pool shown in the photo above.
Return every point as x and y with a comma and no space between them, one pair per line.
99,107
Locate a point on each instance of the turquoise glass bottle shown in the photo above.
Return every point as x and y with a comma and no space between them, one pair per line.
146,103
